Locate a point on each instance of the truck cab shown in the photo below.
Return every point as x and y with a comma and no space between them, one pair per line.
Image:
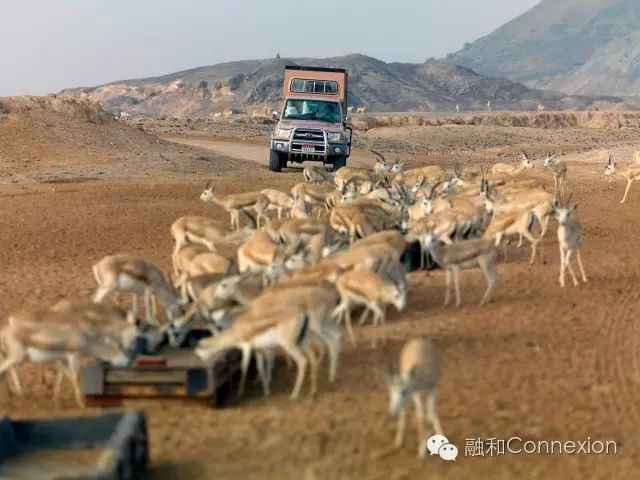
312,123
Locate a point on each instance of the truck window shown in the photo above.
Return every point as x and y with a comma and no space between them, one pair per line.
312,110
325,87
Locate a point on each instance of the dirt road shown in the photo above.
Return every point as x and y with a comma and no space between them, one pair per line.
254,151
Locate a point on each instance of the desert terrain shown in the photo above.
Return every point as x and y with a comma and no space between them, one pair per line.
539,362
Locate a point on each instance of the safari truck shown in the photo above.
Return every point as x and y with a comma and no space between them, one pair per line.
312,124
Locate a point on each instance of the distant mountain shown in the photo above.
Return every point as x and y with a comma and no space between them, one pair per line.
589,47
380,86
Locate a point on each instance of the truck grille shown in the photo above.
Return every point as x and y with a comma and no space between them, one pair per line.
305,137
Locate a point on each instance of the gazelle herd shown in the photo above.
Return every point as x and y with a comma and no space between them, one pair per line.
304,263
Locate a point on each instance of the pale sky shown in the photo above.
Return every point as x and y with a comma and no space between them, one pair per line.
48,45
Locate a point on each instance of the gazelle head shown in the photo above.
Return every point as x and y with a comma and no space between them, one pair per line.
611,166
418,185
207,193
548,161
397,168
526,161
448,185
562,210
381,162
400,390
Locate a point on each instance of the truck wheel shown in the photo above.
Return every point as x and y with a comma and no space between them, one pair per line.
276,161
339,162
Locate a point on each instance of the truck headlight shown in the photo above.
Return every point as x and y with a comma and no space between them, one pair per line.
282,133
334,136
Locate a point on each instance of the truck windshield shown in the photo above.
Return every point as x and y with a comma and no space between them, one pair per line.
312,110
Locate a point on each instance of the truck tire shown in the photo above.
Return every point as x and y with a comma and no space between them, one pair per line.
339,162
276,161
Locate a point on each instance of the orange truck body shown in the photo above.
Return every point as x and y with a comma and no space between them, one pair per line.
312,123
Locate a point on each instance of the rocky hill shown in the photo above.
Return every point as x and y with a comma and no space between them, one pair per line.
589,47
384,87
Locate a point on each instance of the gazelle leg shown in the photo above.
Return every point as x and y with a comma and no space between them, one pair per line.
364,316
432,416
456,284
147,306
100,294
562,267
301,361
57,384
417,402
16,382
626,191
568,262
447,292
14,355
491,275
73,371
584,276
261,367
244,367
313,366
402,422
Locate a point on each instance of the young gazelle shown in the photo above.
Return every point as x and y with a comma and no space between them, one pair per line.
126,273
249,203
373,292
569,239
559,170
511,169
65,334
420,371
462,255
631,174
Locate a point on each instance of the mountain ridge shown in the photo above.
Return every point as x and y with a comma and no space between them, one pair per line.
250,85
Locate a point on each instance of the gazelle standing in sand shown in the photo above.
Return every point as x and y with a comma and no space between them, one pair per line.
462,255
372,291
559,170
631,174
420,371
569,239
361,109
249,203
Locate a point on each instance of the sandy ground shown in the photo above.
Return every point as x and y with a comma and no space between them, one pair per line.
538,363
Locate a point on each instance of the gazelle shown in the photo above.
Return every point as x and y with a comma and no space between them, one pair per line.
569,239
66,334
249,203
312,195
126,273
419,374
462,255
316,174
373,292
257,253
279,201
631,174
361,109
288,329
540,107
196,229
512,170
193,261
559,170
350,109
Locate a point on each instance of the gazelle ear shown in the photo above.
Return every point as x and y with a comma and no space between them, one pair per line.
413,372
573,207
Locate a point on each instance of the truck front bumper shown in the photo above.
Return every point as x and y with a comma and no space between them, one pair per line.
315,147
